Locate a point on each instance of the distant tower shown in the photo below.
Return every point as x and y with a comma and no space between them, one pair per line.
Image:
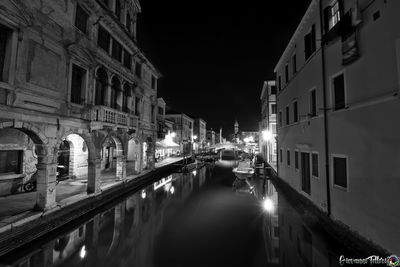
236,127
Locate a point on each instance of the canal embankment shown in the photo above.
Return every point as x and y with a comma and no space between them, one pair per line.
19,229
335,228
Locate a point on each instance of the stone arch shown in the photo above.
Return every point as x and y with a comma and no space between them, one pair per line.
46,163
134,156
93,153
113,155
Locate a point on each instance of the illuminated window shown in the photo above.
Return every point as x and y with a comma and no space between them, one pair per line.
332,15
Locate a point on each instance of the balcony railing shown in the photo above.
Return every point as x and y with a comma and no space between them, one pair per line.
111,116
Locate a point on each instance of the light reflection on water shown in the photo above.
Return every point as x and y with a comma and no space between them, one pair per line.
190,219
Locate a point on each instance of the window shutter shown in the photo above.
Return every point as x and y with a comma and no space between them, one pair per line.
313,39
327,16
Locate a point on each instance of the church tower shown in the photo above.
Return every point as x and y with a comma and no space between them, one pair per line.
236,127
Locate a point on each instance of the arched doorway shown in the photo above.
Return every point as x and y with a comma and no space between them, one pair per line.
133,157
112,161
101,86
72,168
39,170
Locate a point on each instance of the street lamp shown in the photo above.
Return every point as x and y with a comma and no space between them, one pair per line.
267,135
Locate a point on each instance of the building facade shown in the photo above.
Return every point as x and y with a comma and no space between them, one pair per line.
338,92
210,137
183,129
77,95
267,130
200,131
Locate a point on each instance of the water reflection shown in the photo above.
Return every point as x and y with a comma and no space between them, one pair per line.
191,219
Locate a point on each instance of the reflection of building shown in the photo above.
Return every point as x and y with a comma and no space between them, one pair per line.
200,131
183,128
74,83
338,91
267,131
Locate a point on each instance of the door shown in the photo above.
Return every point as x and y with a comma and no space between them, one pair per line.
305,172
107,156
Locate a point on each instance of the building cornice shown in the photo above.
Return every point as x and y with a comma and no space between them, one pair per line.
287,52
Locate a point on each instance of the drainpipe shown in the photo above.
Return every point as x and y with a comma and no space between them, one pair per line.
325,108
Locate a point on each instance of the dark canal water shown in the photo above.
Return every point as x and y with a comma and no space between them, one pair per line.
192,219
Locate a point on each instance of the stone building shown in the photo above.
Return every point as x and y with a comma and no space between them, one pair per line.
77,95
338,98
183,129
267,133
199,130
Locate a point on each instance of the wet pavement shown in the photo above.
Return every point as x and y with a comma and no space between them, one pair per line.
190,219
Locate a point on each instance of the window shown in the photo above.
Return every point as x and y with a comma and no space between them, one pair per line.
286,73
280,155
280,118
273,108
11,161
296,160
279,83
153,82
339,92
332,15
340,171
276,231
314,163
295,112
81,19
127,60
294,64
128,22
5,52
116,50
305,172
153,108
309,43
313,103
78,80
161,111
118,9
103,39
288,157
273,90
138,69
137,108
287,115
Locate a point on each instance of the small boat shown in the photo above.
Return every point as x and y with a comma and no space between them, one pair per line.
243,170
243,173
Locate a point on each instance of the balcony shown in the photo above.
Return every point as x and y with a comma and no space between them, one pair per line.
101,115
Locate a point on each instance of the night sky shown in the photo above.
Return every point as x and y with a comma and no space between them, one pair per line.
215,55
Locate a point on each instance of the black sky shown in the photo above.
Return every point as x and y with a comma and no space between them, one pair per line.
215,55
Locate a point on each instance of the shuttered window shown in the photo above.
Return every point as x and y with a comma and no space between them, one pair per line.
314,163
339,92
116,50
5,52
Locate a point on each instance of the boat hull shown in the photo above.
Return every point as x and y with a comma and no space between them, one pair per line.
243,173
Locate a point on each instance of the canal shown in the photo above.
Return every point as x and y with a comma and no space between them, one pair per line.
189,219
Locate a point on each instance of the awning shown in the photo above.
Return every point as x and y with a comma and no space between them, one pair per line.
166,144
